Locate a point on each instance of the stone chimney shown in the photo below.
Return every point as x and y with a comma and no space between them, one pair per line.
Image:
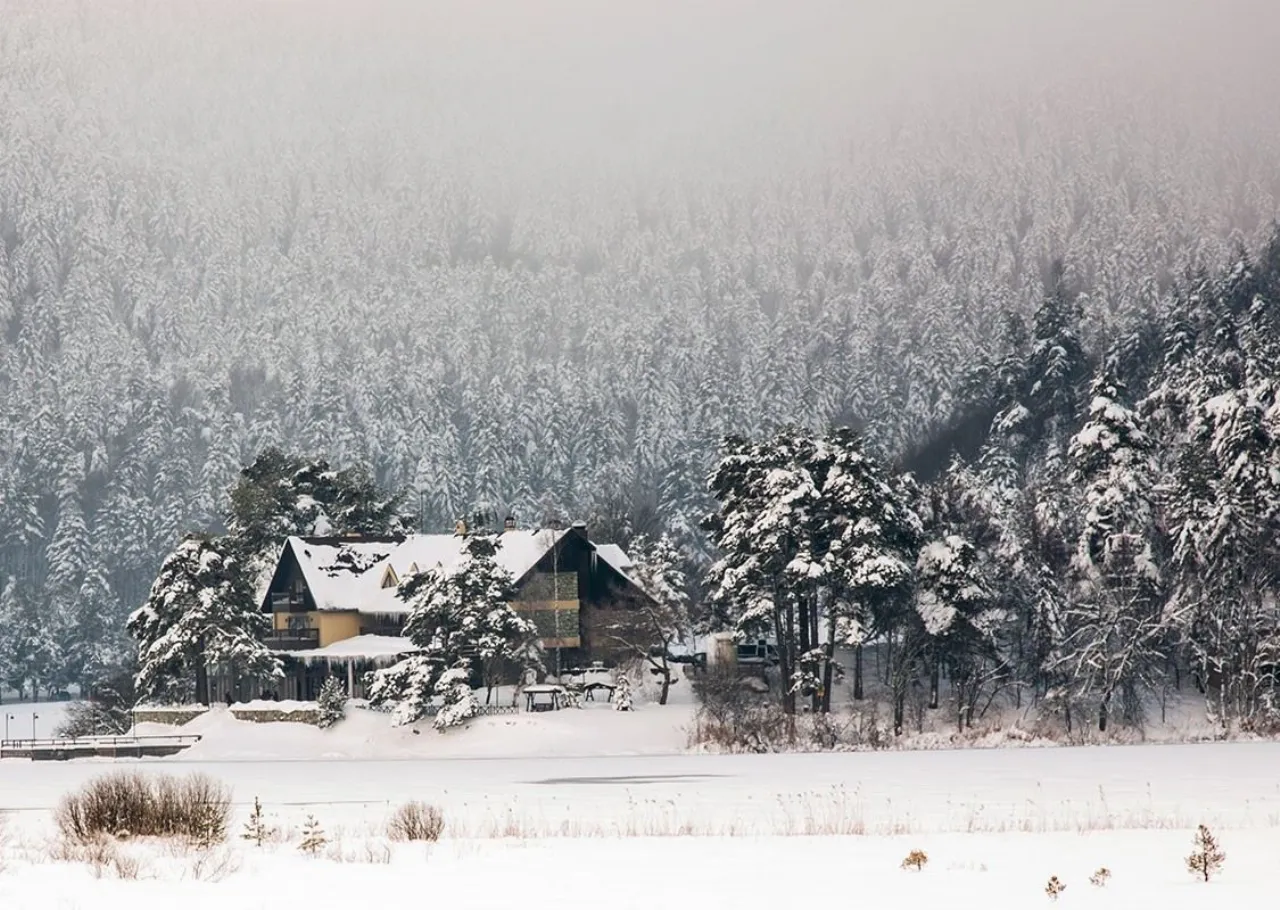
509,524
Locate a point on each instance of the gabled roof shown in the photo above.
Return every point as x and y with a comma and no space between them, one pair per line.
347,574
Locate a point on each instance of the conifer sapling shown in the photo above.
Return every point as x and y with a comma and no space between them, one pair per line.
313,837
331,702
1207,858
256,829
622,695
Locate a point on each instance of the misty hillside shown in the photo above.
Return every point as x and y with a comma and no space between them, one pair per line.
543,257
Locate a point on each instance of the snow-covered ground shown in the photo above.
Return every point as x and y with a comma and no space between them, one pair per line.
988,872
364,734
706,830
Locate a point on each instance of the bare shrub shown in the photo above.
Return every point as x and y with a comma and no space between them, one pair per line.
214,865
98,853
416,821
916,859
376,852
127,866
736,718
1207,858
132,804
1100,877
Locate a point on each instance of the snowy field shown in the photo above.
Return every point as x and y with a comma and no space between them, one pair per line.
644,831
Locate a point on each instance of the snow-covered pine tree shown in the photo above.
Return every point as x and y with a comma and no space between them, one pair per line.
868,529
1114,625
762,530
200,615
31,651
281,495
956,605
331,702
457,614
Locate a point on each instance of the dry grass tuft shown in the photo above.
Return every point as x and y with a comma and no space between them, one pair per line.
916,859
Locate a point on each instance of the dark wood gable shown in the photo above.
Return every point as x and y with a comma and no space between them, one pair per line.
288,591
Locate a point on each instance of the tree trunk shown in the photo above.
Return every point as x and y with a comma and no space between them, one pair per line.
779,632
857,672
828,670
933,678
666,684
1102,713
202,676
788,656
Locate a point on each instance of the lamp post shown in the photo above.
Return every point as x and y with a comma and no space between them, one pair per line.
34,718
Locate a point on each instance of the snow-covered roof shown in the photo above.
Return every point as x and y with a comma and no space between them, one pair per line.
352,574
375,648
616,557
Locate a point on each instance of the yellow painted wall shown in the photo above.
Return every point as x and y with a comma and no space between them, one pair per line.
338,627
333,626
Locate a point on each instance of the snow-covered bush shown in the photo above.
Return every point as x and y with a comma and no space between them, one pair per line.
332,702
622,695
1100,877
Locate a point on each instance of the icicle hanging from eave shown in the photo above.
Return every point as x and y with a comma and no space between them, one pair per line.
377,661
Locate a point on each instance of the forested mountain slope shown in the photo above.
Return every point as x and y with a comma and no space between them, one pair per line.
546,261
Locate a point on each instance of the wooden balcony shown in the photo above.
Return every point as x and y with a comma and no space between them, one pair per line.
292,639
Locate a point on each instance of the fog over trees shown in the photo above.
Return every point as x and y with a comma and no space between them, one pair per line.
543,257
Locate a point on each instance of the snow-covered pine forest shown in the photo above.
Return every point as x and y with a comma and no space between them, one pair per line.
544,261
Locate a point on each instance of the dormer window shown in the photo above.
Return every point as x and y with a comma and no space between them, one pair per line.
389,579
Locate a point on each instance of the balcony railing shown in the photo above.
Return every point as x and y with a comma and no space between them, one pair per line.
281,602
293,639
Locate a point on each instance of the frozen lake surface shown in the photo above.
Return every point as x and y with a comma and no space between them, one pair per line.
1095,788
